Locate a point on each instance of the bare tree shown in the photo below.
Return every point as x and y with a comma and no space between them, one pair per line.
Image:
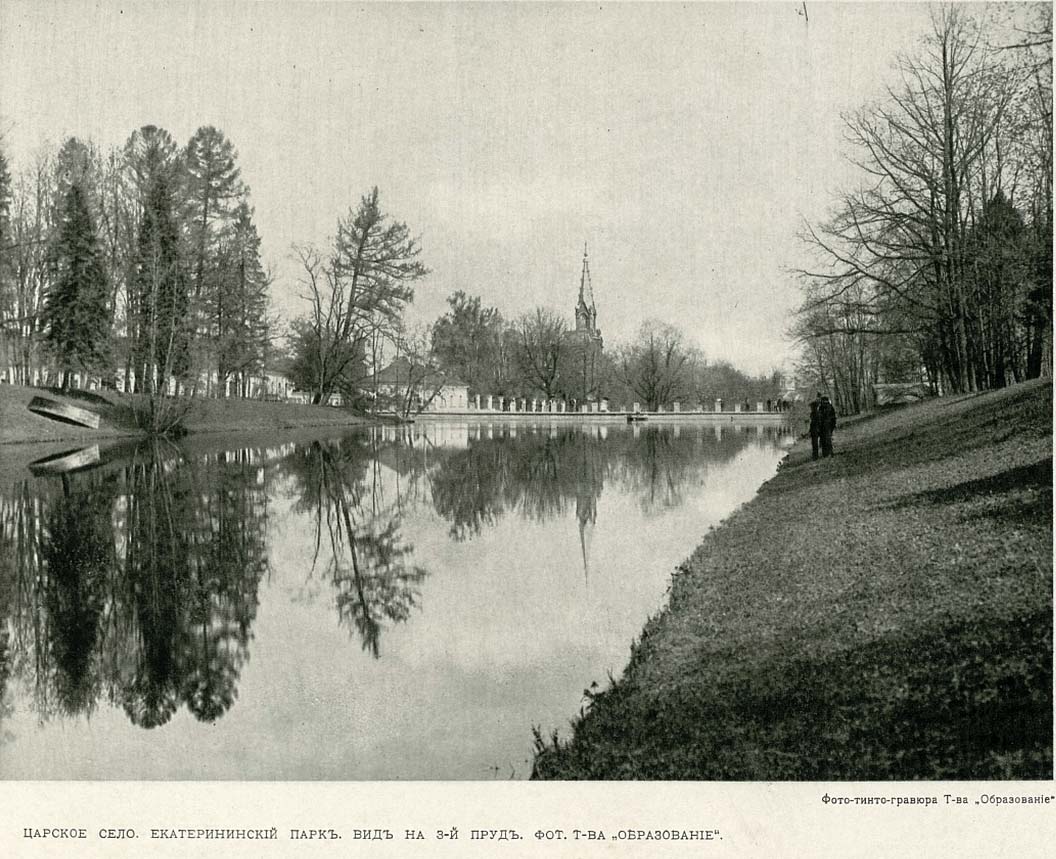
899,256
322,357
657,364
542,349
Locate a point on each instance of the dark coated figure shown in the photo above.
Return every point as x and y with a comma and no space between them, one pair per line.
815,426
826,425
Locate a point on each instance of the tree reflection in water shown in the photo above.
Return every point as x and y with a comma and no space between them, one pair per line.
540,474
371,566
77,553
136,580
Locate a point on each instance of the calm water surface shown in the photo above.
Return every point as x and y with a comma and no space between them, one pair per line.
394,603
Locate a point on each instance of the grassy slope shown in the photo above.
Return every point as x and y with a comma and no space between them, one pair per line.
18,425
884,614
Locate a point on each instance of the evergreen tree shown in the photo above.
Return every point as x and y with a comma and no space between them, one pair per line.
75,311
6,242
5,203
163,331
77,164
243,300
213,188
150,156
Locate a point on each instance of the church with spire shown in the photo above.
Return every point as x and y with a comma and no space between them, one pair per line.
586,342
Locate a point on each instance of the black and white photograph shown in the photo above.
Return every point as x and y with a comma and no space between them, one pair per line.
493,397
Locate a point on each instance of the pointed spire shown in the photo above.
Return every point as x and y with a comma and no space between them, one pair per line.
586,292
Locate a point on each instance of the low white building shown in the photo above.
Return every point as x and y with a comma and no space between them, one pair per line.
423,389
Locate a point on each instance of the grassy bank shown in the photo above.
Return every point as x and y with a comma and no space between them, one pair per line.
19,425
886,614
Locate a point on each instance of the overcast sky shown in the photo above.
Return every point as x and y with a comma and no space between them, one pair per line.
684,144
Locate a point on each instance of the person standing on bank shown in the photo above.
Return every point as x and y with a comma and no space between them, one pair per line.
827,423
815,426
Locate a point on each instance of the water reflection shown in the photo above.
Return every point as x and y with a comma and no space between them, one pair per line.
371,566
136,582
132,582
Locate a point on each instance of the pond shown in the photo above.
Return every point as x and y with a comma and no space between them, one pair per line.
393,603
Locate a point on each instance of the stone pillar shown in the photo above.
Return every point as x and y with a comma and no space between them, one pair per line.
758,407
561,407
718,404
637,407
583,408
535,405
593,407
677,406
660,409
489,402
604,405
501,403
476,402
737,407
524,404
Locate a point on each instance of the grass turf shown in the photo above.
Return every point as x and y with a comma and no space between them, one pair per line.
886,614
19,425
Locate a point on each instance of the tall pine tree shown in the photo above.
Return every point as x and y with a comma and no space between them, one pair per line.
160,287
6,252
244,336
150,156
213,188
75,311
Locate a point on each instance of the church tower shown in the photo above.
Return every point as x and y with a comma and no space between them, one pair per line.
586,342
586,312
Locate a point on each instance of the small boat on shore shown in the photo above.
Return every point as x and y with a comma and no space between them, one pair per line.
63,412
636,417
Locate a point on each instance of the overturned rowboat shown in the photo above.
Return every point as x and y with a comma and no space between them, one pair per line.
67,461
63,412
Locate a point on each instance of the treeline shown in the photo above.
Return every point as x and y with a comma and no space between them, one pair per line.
937,267
537,354
139,263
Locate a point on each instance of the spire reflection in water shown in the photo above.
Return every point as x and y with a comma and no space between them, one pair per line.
401,602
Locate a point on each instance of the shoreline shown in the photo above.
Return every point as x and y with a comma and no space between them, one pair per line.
886,614
19,426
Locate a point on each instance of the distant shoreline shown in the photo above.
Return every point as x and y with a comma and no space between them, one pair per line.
659,417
